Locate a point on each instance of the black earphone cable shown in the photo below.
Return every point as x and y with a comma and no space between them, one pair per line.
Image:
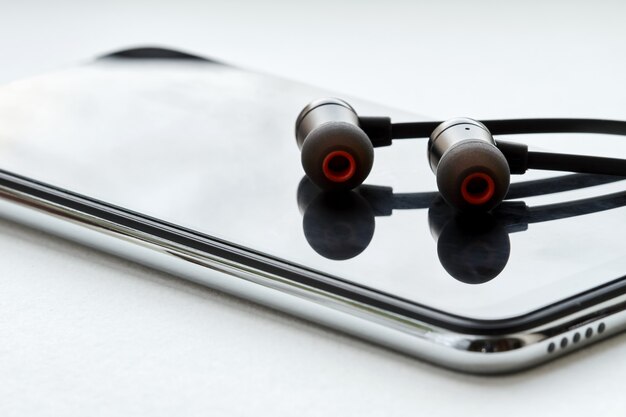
576,163
519,126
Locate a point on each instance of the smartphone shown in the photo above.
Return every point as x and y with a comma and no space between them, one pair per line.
190,166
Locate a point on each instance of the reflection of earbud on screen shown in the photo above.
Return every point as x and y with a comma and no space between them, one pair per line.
338,225
473,249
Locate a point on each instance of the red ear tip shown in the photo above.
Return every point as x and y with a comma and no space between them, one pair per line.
339,166
478,188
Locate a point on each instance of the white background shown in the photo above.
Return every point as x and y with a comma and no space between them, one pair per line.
83,333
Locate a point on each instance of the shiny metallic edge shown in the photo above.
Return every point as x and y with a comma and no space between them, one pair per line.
472,353
323,111
321,102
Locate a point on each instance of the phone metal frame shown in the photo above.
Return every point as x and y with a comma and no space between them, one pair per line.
459,343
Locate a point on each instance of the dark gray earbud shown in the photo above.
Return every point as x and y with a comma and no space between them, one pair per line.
472,173
336,153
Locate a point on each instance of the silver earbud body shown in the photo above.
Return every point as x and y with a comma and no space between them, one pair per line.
323,111
451,133
472,173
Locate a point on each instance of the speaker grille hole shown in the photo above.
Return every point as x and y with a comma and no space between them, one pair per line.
577,337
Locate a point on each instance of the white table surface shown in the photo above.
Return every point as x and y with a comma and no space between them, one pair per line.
82,333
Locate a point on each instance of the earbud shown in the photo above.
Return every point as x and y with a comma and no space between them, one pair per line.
472,173
336,153
472,169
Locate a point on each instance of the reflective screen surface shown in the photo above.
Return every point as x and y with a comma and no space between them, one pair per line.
212,148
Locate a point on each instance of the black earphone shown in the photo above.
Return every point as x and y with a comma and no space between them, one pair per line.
472,169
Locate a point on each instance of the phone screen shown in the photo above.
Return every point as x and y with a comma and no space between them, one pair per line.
212,148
